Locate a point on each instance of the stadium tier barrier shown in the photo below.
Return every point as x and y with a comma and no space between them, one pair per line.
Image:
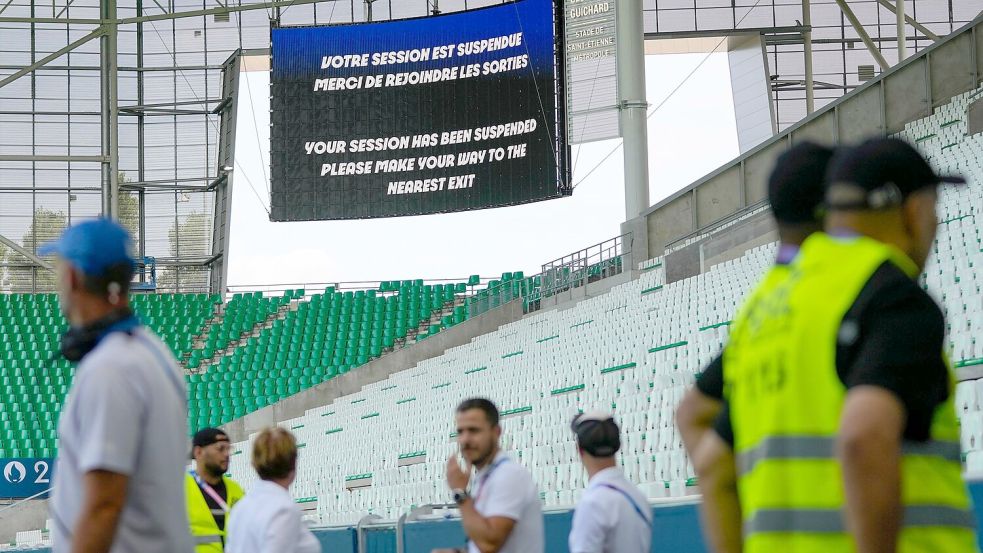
675,528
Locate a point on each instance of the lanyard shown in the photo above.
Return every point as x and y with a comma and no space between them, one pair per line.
210,491
630,500
487,475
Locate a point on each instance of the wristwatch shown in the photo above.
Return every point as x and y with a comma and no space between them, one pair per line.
460,496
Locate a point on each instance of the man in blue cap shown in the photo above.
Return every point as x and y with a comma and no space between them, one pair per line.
123,429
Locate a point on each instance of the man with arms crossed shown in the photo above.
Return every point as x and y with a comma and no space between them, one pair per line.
502,511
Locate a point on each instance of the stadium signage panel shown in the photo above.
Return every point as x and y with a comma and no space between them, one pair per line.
22,477
590,40
409,117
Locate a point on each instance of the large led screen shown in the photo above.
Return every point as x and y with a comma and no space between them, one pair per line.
408,117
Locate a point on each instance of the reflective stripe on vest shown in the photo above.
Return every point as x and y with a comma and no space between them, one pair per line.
199,540
821,447
827,521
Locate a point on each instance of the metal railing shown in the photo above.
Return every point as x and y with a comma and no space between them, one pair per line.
340,286
591,264
587,265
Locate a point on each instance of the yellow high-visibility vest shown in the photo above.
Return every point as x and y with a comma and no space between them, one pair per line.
205,533
786,399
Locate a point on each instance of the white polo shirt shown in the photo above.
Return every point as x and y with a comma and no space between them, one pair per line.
126,413
505,488
613,516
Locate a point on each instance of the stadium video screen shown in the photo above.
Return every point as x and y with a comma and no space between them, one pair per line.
408,117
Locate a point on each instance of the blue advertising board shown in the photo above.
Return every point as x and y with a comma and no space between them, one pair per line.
414,116
22,477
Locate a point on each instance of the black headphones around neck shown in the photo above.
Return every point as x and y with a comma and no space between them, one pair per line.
77,342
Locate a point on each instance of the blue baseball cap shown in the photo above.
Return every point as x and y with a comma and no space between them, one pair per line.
93,246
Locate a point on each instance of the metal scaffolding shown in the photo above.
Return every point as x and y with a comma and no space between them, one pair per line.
131,125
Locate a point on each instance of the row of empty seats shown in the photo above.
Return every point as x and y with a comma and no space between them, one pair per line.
632,351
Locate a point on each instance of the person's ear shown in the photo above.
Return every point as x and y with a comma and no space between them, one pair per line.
69,276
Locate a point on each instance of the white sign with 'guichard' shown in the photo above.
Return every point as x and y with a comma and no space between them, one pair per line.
590,51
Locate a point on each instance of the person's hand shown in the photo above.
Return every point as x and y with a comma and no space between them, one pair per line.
457,479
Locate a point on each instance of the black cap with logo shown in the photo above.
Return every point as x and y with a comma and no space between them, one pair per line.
886,170
796,184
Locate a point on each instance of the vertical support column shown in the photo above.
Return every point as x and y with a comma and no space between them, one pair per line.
807,50
141,142
633,115
902,32
110,110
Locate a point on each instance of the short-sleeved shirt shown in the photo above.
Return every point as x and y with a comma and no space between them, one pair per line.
613,516
126,413
267,520
505,488
892,337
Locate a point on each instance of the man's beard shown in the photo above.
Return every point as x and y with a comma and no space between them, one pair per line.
486,456
214,470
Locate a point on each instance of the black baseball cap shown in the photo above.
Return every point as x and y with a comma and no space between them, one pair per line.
796,185
208,436
887,170
597,433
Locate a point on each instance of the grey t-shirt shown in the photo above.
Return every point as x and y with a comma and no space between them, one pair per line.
126,413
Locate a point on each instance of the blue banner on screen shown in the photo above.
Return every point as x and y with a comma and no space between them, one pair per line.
415,116
22,477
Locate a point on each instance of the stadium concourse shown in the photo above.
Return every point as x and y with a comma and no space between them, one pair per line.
381,450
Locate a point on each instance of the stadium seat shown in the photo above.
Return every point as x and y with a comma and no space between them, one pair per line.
633,350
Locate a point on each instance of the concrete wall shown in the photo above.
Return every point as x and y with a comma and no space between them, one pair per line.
719,246
909,91
30,515
974,115
374,371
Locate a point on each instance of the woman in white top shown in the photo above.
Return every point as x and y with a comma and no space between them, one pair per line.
267,520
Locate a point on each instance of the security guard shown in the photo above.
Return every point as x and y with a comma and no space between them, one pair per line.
840,397
795,193
613,516
210,494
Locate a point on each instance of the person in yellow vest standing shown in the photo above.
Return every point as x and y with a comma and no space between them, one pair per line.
209,493
839,396
795,193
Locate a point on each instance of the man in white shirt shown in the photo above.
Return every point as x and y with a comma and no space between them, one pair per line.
502,513
123,431
613,515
